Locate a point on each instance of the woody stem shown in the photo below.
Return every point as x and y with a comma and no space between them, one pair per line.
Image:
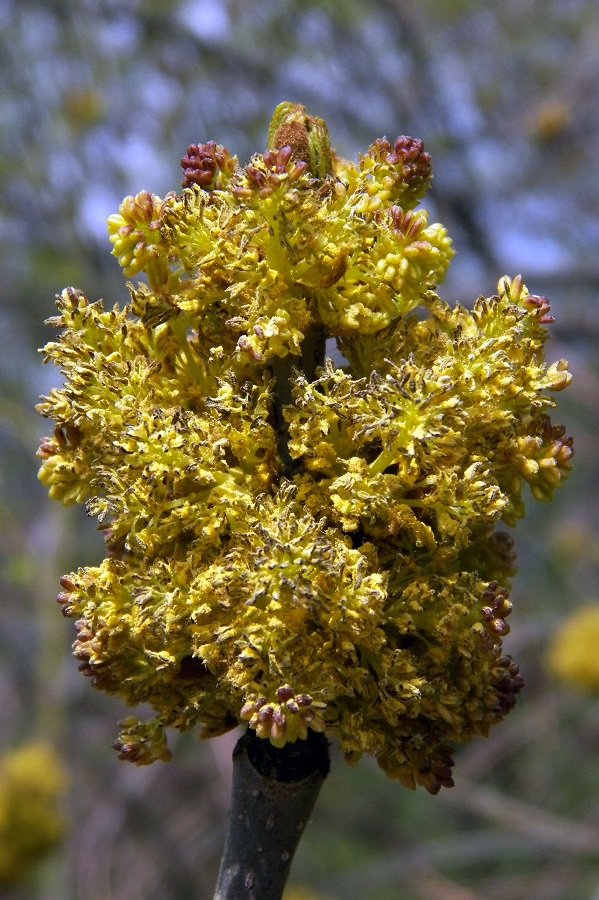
274,791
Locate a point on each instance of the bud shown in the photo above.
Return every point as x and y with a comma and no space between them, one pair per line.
208,165
307,136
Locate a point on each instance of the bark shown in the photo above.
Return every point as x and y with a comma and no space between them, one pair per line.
273,794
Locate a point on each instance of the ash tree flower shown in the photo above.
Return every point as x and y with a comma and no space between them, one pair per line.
572,655
293,543
32,823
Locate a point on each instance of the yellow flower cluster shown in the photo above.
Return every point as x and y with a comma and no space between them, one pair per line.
291,543
32,781
573,656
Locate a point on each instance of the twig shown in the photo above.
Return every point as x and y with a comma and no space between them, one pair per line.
273,794
542,826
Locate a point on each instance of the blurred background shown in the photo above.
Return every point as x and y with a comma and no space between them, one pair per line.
99,99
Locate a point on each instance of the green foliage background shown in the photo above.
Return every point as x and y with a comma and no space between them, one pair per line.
99,99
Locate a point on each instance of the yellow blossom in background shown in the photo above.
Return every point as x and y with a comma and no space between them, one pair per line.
300,892
32,782
573,655
294,542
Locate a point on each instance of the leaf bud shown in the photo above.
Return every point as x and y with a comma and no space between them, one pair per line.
307,136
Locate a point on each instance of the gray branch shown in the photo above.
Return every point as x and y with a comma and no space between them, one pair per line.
273,794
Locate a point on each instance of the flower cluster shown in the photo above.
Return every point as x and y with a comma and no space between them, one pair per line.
207,165
32,783
292,543
572,655
285,719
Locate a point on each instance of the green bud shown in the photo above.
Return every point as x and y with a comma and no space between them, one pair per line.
308,137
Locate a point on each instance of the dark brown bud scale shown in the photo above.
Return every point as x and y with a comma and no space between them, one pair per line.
295,136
